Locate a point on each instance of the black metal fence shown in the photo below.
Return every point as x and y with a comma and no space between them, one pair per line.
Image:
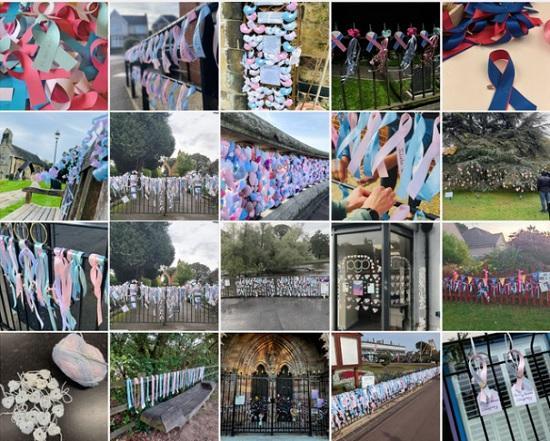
276,286
274,404
413,86
91,238
164,310
181,74
527,422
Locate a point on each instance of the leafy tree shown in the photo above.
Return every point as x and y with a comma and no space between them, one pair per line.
455,251
138,249
183,274
138,140
320,245
184,163
200,271
202,163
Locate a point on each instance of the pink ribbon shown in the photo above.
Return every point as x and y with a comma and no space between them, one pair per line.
96,277
399,38
357,155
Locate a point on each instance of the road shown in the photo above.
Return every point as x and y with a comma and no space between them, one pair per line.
416,418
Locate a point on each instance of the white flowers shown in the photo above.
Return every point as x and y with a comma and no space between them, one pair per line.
36,402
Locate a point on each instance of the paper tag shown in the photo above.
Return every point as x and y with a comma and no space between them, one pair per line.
239,400
357,288
324,288
125,308
449,195
524,396
270,17
6,93
227,282
272,45
492,405
125,199
270,75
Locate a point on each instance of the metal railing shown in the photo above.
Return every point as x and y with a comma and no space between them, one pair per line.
276,286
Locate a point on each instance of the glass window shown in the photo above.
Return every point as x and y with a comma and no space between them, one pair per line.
400,282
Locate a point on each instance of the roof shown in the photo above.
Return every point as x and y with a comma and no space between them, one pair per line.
163,20
478,238
136,19
20,152
250,127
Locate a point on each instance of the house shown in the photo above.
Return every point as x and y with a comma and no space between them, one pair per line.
163,21
15,162
123,27
479,241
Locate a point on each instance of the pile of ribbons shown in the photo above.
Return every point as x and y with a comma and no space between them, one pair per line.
26,270
133,185
348,406
142,392
165,52
269,54
357,137
253,180
130,296
93,150
54,56
410,43
486,24
521,288
282,286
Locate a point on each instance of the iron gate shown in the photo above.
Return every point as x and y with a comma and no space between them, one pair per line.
181,309
268,404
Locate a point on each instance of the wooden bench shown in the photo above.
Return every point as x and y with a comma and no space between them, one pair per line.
33,212
177,411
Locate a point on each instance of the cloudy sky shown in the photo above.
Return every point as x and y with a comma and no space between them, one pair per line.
407,339
153,9
196,132
34,131
196,242
312,128
507,227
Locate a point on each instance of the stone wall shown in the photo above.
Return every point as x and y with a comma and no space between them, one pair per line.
313,38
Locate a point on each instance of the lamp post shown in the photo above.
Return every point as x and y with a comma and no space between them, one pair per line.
57,135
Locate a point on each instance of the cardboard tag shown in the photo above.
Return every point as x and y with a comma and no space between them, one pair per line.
270,17
492,405
125,199
270,75
524,396
272,45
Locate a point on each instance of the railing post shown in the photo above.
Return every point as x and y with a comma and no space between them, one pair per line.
126,72
144,94
165,184
309,404
387,83
165,306
233,406
132,82
208,67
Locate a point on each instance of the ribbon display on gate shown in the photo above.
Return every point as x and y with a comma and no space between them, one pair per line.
142,392
348,406
282,286
54,56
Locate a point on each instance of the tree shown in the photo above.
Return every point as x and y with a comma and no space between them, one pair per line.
320,245
138,140
200,271
202,163
184,163
183,274
138,249
455,251
130,42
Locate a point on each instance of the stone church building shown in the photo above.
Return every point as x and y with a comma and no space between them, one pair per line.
15,162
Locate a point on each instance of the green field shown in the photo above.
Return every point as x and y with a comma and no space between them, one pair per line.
477,317
37,199
493,206
6,186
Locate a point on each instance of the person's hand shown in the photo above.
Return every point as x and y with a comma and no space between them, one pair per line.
343,168
380,200
357,198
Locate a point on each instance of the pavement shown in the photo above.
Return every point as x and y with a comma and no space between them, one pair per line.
8,198
275,314
256,436
415,418
120,99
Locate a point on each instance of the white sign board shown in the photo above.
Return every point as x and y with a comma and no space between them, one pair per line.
367,380
449,195
270,17
544,282
239,400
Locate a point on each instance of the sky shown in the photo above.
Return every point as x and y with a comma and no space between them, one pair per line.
312,128
34,131
153,9
507,227
196,132
196,242
407,339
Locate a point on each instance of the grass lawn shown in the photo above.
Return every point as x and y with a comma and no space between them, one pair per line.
493,206
6,186
476,317
37,199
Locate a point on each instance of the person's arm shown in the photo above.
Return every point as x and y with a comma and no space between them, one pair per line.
339,209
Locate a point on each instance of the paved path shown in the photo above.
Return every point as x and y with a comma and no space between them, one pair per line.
257,437
416,418
275,314
120,99
10,197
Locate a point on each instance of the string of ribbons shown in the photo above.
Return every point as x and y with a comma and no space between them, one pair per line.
50,294
132,185
253,180
129,295
348,406
358,138
93,150
269,56
282,286
142,392
54,56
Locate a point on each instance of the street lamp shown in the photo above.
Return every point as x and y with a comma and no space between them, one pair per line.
57,135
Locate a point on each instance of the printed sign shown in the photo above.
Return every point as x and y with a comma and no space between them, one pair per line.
270,17
227,282
490,404
270,75
314,394
125,199
525,395
357,288
324,288
544,281
239,400
449,195
367,380
125,308
272,45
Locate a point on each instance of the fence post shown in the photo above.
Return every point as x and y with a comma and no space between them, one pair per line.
309,404
127,70
208,67
165,306
273,394
144,94
165,184
132,81
234,384
388,83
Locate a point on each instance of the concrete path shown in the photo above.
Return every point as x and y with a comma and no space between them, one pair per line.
257,437
275,314
10,197
120,99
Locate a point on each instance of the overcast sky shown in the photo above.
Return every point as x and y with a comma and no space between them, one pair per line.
312,128
507,227
153,9
407,339
196,242
196,132
34,131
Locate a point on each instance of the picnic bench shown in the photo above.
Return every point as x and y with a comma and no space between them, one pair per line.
177,411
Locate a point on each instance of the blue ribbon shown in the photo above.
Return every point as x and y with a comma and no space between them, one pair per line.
415,149
199,29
